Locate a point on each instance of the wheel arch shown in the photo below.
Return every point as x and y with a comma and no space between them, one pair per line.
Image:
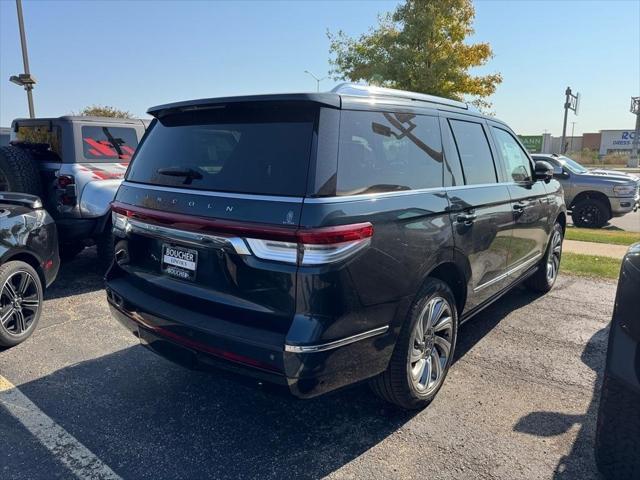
562,220
29,259
455,274
592,194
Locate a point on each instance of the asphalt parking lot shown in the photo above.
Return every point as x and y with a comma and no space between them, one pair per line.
519,402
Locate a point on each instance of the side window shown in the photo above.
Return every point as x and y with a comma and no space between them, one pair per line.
515,160
475,154
108,143
452,168
41,134
382,152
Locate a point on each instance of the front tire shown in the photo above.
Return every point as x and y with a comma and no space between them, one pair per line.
547,273
590,213
424,350
20,302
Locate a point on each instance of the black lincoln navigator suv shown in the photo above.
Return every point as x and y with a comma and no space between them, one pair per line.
317,240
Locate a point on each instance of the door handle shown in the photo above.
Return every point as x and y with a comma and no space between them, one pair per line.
466,218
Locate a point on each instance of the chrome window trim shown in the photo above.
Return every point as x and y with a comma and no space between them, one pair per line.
322,347
210,193
313,200
375,196
507,273
195,238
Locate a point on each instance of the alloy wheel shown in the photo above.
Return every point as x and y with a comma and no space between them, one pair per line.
590,215
19,302
431,345
553,258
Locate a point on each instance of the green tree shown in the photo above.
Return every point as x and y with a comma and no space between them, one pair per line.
104,111
421,47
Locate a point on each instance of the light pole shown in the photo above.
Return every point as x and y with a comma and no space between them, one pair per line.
24,79
318,80
572,102
635,109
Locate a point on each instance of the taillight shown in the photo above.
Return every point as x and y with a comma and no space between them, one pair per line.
65,180
313,246
67,189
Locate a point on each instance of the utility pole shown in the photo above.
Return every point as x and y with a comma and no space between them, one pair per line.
571,103
24,79
318,80
635,109
573,126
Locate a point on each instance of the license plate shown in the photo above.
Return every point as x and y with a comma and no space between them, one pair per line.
179,262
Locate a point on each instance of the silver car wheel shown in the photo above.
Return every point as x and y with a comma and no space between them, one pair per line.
431,345
553,258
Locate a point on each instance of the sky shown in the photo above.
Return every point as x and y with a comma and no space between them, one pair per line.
136,54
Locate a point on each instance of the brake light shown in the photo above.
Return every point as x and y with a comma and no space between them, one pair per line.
65,180
315,246
67,189
302,246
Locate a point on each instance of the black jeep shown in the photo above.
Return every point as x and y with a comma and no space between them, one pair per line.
317,240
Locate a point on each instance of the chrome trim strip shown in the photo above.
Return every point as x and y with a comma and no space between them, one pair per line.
374,196
208,193
335,344
334,199
196,238
507,273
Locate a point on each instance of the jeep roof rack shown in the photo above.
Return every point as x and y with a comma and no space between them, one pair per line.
358,90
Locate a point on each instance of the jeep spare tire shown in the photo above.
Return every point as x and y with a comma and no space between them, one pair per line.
18,171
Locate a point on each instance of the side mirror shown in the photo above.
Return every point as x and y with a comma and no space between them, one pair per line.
543,171
560,172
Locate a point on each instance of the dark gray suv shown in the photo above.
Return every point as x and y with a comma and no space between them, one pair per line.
318,240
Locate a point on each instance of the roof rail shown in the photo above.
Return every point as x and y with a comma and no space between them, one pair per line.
358,90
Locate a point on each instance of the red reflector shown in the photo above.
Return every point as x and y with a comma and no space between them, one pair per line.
47,264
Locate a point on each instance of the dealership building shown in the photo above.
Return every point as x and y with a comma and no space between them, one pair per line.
604,142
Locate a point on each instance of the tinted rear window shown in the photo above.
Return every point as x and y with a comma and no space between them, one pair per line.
235,149
109,143
381,152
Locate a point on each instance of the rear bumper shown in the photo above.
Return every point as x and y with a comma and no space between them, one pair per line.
255,355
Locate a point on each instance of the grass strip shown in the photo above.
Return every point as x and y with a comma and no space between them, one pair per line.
602,236
590,265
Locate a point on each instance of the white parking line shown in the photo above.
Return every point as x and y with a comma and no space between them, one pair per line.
75,456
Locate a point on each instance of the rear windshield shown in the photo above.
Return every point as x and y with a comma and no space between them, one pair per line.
231,149
109,143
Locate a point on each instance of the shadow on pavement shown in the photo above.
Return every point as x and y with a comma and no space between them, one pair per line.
580,462
80,275
148,418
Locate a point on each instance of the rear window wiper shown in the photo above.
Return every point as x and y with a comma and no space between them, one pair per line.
189,174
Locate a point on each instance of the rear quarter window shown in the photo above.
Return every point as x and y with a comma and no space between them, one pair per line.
108,143
382,152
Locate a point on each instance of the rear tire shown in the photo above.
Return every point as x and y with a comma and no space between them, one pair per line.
20,302
590,213
424,350
105,244
18,171
547,272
